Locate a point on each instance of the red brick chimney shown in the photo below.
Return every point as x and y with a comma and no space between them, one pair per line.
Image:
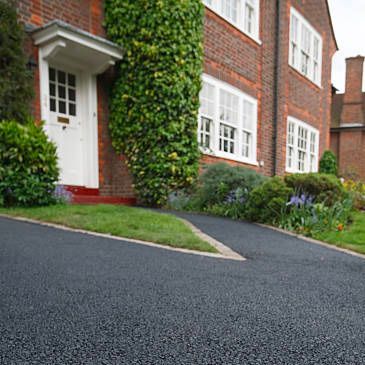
352,111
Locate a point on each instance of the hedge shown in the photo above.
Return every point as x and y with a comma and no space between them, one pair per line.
155,101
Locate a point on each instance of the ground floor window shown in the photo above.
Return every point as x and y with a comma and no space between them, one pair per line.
227,121
301,147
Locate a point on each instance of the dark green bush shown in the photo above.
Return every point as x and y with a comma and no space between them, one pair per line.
16,89
221,183
267,201
328,163
323,188
28,165
155,101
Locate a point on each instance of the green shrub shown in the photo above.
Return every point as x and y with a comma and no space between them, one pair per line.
155,101
328,163
16,89
323,188
356,189
28,165
221,183
267,202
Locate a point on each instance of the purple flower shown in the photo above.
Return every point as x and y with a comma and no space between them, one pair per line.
302,200
62,194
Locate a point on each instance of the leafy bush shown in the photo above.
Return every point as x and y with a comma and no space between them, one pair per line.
323,188
16,88
28,165
328,163
267,201
221,183
155,101
309,218
356,189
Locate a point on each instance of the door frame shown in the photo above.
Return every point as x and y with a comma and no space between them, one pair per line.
87,105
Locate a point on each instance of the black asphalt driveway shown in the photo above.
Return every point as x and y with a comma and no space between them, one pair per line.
68,298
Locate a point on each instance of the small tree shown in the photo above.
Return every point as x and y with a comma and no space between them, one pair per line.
16,88
155,101
328,163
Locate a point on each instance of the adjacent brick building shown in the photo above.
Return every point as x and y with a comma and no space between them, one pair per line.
265,102
348,122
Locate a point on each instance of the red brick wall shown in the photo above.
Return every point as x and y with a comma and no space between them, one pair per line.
233,57
114,178
305,100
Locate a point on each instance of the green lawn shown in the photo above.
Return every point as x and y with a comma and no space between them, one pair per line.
352,238
121,221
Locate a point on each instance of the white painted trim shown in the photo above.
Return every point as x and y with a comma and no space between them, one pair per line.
297,65
351,125
55,31
240,25
218,84
88,113
310,129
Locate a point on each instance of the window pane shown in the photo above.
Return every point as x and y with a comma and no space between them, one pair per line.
71,80
72,109
52,105
71,94
61,92
205,127
246,144
62,107
52,89
249,17
227,136
207,100
61,77
229,9
228,107
248,115
52,74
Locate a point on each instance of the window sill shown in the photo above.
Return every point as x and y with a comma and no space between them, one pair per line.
228,156
252,37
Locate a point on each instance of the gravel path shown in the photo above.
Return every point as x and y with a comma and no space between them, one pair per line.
69,298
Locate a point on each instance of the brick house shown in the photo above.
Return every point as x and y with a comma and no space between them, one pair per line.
265,102
348,121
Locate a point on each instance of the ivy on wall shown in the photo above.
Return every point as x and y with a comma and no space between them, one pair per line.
16,89
155,100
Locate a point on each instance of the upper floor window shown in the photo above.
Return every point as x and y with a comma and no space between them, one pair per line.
301,147
244,14
305,48
227,121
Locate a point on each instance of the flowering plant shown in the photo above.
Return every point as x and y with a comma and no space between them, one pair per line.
62,195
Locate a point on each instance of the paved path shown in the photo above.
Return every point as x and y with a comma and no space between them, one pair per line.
68,298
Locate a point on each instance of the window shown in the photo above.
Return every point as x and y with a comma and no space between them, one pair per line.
305,48
62,92
301,147
227,122
206,116
244,14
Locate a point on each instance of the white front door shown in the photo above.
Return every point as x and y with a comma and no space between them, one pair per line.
65,124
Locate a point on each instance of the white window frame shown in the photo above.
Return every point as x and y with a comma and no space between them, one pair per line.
314,71
292,144
242,97
241,21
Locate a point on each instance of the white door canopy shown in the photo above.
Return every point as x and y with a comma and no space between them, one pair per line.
67,44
